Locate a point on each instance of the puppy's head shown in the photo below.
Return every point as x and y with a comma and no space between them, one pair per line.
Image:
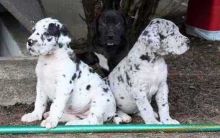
47,36
163,37
110,28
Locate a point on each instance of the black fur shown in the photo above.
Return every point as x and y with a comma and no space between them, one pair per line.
108,38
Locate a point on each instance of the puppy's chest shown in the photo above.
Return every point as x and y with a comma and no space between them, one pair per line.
46,74
46,71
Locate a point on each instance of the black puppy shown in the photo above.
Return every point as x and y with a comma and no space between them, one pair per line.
109,44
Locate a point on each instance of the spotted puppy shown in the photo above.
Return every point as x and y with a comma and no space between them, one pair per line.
143,73
79,96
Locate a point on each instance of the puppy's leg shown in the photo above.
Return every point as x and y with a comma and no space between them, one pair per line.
146,110
39,107
163,106
58,105
121,117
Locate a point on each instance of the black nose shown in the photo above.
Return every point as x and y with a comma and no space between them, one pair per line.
110,37
30,42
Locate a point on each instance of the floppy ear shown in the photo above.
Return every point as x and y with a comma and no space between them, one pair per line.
53,29
150,37
64,38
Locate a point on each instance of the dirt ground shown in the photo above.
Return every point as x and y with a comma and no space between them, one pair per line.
194,84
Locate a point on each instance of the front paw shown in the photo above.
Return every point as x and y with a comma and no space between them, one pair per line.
170,121
152,121
30,117
49,123
74,122
119,120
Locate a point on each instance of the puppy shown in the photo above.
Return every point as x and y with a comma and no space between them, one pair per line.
109,42
79,96
143,73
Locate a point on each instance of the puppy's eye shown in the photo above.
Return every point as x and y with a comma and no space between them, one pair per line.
46,34
37,33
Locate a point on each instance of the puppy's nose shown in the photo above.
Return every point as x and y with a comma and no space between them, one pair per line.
30,42
110,37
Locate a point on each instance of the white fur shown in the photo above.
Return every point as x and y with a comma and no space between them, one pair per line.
143,73
79,95
103,62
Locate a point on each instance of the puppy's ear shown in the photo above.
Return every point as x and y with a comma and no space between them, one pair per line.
53,29
150,37
64,38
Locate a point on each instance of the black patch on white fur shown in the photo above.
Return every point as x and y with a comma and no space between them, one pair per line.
120,79
145,33
88,87
162,37
42,38
53,30
91,70
137,67
105,89
107,82
77,64
71,91
150,41
74,76
128,79
145,57
79,74
60,45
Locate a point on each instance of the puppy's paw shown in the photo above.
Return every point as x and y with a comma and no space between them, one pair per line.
170,121
75,122
122,119
30,117
49,123
152,121
46,115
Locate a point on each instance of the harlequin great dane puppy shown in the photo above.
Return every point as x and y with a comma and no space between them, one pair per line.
78,94
143,73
